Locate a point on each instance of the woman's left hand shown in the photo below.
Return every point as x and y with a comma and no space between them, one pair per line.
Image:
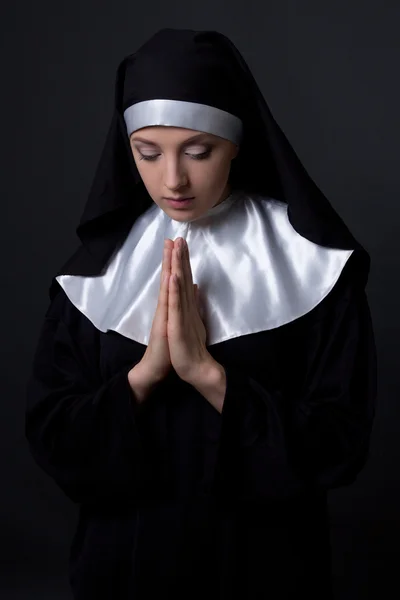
186,331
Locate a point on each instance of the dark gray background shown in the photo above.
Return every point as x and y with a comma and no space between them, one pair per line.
330,73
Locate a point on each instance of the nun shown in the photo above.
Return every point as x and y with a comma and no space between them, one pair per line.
205,370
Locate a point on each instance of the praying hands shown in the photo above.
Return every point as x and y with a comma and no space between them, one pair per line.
185,330
178,335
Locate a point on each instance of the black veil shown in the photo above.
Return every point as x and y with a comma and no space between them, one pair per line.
203,67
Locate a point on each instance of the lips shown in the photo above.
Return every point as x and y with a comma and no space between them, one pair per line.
181,199
180,202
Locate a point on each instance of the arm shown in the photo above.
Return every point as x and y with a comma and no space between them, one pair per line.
141,383
83,432
277,444
211,383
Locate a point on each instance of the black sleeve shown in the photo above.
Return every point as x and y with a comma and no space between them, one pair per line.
317,434
83,432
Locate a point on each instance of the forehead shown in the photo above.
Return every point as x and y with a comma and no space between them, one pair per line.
161,134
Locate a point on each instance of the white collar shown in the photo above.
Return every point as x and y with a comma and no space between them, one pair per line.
254,271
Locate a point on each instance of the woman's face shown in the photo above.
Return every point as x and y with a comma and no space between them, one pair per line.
182,163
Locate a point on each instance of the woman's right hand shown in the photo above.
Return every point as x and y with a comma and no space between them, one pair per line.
156,362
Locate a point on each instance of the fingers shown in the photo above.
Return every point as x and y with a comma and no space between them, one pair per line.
168,243
166,260
177,269
165,275
181,264
187,271
175,305
181,293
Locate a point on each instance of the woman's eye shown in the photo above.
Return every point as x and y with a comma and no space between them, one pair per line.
200,156
148,156
195,156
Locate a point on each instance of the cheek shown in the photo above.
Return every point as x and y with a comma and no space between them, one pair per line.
211,171
148,174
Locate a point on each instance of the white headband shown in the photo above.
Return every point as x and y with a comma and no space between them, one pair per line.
189,115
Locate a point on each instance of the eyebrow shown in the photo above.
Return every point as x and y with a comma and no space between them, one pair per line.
197,137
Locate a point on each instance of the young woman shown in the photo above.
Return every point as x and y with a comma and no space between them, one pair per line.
206,369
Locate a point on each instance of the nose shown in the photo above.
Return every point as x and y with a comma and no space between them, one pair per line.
175,175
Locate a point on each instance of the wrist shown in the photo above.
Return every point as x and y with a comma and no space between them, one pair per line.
141,381
211,383
209,373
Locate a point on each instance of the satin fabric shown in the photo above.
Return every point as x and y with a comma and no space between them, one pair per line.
254,271
176,113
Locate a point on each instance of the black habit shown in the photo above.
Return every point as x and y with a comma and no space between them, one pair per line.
175,498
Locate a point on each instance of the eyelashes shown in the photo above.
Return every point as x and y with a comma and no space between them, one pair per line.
154,157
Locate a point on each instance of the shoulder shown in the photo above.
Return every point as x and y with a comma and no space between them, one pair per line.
60,308
267,202
59,305
348,295
354,275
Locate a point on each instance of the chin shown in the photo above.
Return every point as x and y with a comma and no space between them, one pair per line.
180,216
183,215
